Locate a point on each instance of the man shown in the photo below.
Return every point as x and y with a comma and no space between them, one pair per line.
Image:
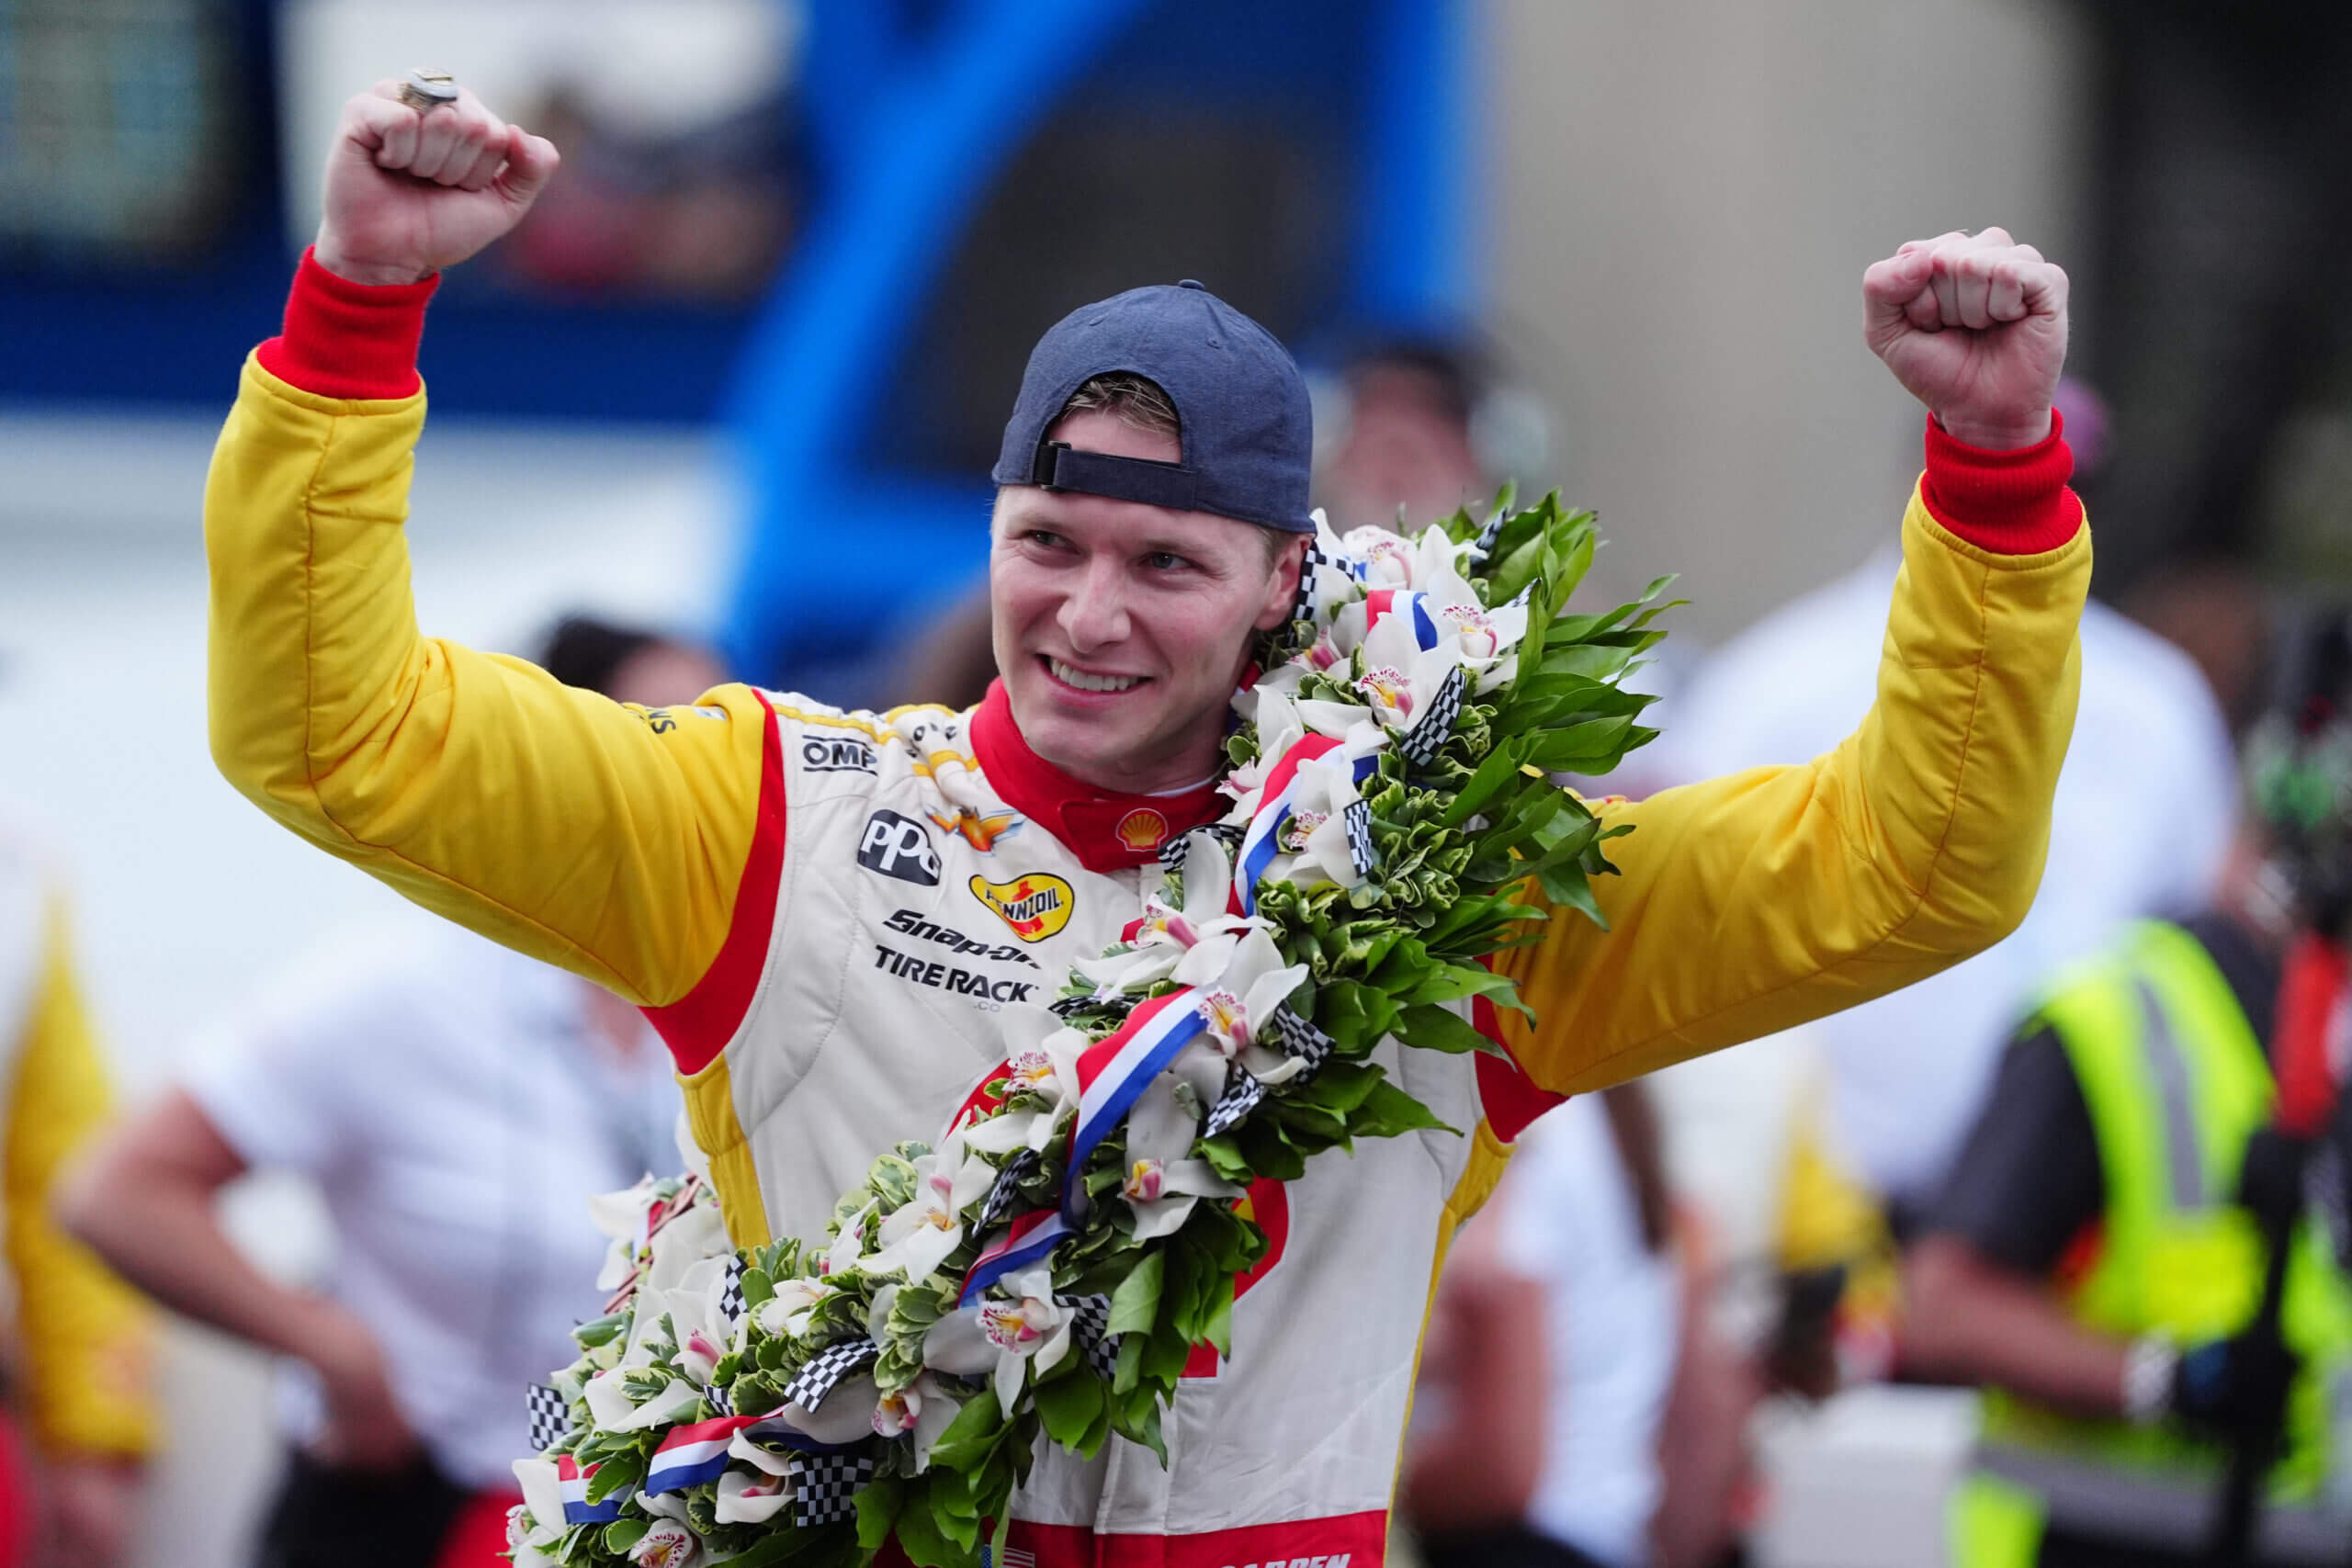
820,910
2088,1260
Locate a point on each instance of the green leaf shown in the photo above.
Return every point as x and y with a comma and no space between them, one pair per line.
1454,982
971,1435
878,1501
921,1535
622,1534
1388,1112
1435,1028
614,1474
1134,1306
1071,1406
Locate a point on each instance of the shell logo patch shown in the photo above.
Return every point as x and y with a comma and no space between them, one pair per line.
1036,906
1142,829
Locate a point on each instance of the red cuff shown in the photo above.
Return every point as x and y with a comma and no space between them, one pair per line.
349,340
2016,503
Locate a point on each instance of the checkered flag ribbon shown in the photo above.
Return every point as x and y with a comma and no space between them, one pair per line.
825,1486
550,1417
1491,532
835,1361
730,1296
1243,1093
1300,1038
1435,726
1173,852
1002,1194
1069,1005
1357,820
1091,1326
1303,608
720,1402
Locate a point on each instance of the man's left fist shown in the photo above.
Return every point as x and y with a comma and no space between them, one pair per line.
1974,326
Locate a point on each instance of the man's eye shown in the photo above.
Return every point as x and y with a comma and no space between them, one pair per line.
1165,560
1045,538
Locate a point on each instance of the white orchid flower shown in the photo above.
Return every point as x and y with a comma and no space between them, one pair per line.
1387,559
1239,1007
920,1234
1178,942
845,1415
786,1314
848,1247
923,1411
1163,1182
622,1216
667,1543
1001,1336
745,1498
698,1319
613,1410
1488,638
1400,677
1041,1062
542,1492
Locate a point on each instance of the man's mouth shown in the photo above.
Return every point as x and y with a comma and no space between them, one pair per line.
1083,681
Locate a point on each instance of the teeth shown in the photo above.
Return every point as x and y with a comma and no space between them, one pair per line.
1086,682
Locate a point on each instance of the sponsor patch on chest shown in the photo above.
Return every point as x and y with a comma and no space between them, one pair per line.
1035,907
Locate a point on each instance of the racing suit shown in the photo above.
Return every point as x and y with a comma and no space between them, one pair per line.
822,911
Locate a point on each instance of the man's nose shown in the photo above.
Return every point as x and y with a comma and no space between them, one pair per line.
1096,614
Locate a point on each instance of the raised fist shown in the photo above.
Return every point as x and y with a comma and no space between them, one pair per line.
410,193
1974,326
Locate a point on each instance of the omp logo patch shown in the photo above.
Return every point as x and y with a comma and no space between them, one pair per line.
900,847
837,754
1142,829
1036,906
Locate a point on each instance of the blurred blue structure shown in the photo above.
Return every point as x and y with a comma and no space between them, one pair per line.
920,116
970,171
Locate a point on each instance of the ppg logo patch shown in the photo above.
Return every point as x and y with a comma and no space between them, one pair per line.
831,754
899,846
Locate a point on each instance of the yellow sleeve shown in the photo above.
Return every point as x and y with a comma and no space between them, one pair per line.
1751,903
86,1333
602,837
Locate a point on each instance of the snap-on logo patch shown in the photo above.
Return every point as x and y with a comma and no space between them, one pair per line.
1142,829
1036,906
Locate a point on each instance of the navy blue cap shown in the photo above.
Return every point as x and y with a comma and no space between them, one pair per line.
1248,431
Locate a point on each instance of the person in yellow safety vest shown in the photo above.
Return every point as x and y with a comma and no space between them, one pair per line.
2088,1261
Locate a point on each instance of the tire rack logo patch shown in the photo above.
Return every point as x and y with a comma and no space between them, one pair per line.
1036,906
900,847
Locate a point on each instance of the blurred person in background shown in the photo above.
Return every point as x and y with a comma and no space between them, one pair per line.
2092,1259
456,1105
2140,826
75,1363
1549,1356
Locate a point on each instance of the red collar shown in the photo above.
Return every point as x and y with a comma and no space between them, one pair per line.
1106,831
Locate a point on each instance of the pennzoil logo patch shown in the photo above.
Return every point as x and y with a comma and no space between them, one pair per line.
1036,906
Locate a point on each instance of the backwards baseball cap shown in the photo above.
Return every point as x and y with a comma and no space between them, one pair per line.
1247,430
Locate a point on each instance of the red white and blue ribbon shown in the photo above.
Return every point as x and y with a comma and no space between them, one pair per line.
692,1455
1384,602
573,1481
1277,804
1026,1241
1113,1073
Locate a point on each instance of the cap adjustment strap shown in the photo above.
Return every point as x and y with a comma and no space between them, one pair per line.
1059,466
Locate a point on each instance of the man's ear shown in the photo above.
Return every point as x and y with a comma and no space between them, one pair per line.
1281,584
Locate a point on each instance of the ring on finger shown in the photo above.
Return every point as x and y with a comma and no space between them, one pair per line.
427,90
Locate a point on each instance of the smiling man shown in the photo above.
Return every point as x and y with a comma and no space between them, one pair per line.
822,912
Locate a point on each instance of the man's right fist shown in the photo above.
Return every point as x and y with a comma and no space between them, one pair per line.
409,194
